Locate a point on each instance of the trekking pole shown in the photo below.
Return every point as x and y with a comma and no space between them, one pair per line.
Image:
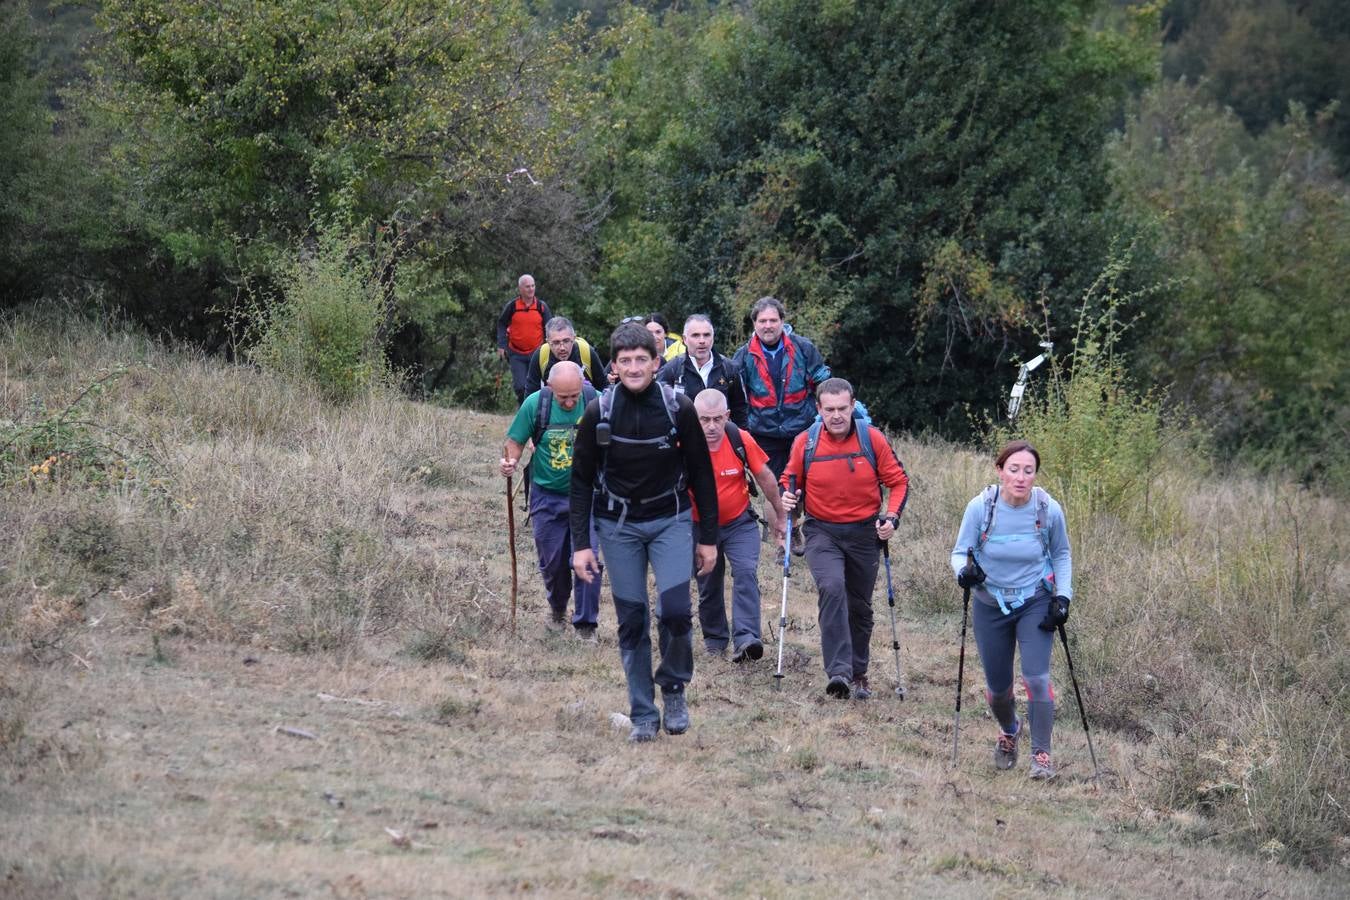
1082,712
895,635
787,566
511,530
961,664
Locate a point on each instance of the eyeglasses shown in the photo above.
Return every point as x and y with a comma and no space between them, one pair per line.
626,319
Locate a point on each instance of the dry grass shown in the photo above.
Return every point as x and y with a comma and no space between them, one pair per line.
342,571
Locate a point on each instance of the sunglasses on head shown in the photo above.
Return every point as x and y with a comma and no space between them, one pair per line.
626,319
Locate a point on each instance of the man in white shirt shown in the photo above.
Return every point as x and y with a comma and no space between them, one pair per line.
703,367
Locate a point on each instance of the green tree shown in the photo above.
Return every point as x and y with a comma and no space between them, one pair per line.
1257,230
904,175
1258,56
241,128
25,150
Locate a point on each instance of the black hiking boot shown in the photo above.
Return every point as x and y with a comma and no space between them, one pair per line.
676,713
838,688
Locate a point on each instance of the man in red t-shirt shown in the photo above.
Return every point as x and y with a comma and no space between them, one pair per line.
738,540
846,529
520,331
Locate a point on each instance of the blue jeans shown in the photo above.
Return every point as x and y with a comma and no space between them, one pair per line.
667,544
550,515
738,543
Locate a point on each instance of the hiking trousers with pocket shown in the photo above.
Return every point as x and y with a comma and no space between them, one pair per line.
667,545
738,548
843,559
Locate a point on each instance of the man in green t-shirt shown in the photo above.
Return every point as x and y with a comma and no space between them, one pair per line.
551,476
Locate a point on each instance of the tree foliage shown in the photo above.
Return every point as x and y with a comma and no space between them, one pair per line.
25,152
1257,230
904,175
1258,56
239,127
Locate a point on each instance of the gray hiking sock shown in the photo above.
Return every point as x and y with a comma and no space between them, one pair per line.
1042,716
1004,709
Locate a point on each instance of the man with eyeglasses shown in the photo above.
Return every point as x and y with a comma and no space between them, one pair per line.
563,345
520,332
702,367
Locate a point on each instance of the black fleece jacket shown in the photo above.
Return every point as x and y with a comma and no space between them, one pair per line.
645,474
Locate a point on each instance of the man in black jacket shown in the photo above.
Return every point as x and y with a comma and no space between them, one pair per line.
639,454
702,367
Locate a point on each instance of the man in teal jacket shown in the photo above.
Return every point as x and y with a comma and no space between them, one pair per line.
779,372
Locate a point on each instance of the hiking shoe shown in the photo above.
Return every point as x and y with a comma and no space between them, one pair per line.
838,688
1005,749
586,634
557,622
1042,769
861,689
717,650
643,732
676,713
752,650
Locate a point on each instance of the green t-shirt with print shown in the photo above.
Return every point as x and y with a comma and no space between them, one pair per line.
552,460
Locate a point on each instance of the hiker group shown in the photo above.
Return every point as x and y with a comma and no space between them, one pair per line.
654,460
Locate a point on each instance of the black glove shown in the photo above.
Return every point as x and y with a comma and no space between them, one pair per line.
1057,613
970,575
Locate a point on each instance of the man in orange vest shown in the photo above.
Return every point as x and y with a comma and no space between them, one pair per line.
520,332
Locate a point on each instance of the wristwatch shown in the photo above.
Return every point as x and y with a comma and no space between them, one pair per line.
893,519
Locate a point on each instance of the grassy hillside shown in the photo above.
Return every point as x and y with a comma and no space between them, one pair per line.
255,645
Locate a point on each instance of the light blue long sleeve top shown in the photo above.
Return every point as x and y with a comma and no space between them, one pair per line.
1013,559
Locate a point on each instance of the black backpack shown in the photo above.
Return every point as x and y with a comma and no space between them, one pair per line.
603,437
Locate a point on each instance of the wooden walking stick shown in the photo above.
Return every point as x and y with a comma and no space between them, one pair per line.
511,529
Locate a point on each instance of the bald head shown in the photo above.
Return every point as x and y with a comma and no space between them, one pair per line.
564,380
711,401
711,406
565,375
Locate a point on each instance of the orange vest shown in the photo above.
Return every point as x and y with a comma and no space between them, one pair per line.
526,331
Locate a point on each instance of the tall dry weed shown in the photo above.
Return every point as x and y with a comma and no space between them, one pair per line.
1209,639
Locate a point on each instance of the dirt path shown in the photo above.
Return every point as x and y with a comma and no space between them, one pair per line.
194,774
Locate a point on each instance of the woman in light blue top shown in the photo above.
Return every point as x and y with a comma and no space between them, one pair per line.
1021,577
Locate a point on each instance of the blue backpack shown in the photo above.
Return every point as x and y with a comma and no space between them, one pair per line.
862,422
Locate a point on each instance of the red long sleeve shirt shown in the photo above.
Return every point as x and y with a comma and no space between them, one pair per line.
846,490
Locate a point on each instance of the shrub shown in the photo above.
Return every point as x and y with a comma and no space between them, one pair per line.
326,325
1102,441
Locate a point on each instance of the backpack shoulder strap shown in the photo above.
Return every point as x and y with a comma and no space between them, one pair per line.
737,442
542,414
1042,502
585,349
543,358
738,447
865,447
671,400
809,451
990,500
